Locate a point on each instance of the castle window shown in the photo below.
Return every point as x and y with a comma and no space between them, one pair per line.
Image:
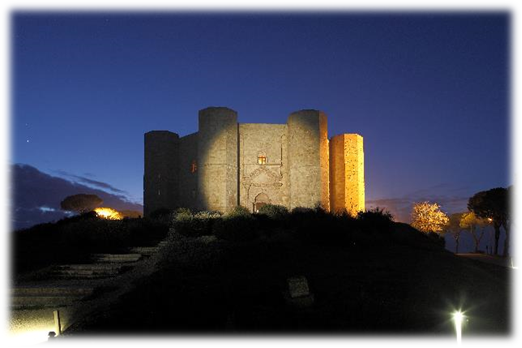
193,166
261,159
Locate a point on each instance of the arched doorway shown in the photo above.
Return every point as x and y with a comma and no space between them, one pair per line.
260,200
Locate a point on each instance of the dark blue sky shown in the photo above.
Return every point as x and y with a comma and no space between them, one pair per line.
428,92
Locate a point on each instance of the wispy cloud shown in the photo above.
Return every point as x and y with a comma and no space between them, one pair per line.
85,180
37,196
400,207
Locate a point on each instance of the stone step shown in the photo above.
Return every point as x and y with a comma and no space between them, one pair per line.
81,272
72,274
145,251
92,266
51,291
81,276
43,301
115,257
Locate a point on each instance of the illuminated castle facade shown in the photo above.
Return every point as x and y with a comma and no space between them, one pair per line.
226,164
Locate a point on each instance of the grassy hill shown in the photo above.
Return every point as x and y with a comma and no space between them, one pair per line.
368,275
72,240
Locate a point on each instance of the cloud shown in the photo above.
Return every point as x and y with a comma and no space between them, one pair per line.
36,196
85,180
400,207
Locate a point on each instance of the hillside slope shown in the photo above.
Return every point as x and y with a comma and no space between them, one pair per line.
405,284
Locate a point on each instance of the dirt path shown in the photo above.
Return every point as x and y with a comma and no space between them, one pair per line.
495,260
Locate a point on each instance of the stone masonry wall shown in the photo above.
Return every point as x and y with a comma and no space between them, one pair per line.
161,176
271,178
324,153
188,179
347,190
308,159
217,157
337,174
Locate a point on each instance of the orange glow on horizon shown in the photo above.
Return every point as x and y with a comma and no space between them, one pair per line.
108,213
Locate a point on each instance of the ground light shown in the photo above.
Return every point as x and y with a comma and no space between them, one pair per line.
30,337
458,318
36,330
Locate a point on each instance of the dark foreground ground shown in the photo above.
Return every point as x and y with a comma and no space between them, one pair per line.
401,285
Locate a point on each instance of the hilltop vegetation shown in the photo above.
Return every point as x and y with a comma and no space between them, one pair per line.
367,274
71,240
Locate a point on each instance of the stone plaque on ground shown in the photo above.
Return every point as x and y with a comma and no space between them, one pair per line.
298,287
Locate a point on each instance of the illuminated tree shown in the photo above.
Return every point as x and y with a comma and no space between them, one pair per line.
427,217
454,229
470,222
493,205
81,203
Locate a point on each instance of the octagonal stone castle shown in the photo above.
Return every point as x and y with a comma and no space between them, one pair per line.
226,164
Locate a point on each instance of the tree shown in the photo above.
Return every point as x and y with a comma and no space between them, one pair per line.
453,228
493,205
470,222
427,217
507,223
81,203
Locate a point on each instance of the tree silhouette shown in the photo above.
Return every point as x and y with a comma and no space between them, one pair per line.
81,203
453,228
470,222
493,205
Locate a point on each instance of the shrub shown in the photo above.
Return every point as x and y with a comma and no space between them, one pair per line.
315,224
207,214
203,222
302,210
181,213
236,228
437,238
375,220
162,215
194,225
239,211
273,211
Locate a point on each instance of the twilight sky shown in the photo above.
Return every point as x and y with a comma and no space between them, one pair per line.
428,92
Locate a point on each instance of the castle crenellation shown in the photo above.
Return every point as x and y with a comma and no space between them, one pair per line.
227,163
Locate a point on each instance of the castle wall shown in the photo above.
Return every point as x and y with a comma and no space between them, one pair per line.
308,159
347,173
188,171
217,168
337,174
218,159
161,175
271,178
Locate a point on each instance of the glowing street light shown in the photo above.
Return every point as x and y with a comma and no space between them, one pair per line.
458,318
513,264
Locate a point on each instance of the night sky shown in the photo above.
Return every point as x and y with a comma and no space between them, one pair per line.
428,92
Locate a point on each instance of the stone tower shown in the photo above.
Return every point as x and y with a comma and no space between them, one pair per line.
217,158
161,177
347,173
308,159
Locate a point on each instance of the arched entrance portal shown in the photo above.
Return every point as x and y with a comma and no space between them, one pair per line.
260,200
